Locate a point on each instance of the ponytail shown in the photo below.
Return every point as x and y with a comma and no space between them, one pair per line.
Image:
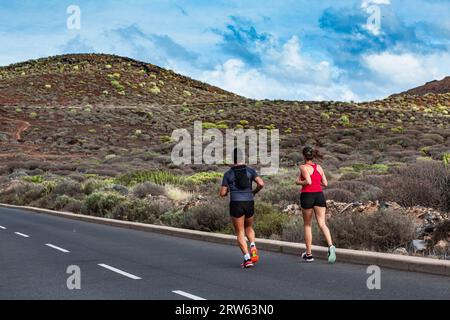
317,154
311,153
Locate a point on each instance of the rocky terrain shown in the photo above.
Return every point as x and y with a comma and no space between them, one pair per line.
436,87
92,134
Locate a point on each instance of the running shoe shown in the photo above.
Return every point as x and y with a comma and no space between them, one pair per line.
307,257
247,264
332,254
254,254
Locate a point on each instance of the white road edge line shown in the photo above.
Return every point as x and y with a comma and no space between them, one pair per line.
126,274
57,248
2,227
22,234
187,295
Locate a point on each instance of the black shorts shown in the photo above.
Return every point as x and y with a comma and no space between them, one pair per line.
240,208
309,200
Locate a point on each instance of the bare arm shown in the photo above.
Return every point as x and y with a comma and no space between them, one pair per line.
306,175
223,192
324,177
259,185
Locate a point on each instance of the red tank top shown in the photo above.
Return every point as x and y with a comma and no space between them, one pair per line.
316,179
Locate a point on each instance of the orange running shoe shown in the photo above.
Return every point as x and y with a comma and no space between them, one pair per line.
254,254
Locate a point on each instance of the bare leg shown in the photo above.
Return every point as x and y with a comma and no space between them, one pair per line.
307,223
249,231
320,216
238,224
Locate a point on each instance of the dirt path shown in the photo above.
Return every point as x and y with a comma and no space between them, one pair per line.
21,127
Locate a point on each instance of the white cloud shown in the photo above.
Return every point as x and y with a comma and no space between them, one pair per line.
235,76
366,3
290,64
407,70
285,74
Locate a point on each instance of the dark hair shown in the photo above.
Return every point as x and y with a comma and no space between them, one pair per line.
311,153
237,156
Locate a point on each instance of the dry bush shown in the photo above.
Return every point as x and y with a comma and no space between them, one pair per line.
339,195
383,231
281,195
424,183
138,210
145,189
212,216
293,232
68,188
442,232
341,148
362,191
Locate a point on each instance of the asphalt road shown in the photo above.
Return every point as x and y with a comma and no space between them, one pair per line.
116,263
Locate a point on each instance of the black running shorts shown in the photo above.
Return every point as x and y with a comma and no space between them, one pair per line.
309,200
241,208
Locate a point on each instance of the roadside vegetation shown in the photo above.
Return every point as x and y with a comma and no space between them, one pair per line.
103,149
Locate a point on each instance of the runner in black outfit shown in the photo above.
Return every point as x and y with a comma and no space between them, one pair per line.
238,182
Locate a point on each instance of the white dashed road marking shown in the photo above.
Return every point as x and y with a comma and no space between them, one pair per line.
2,227
57,248
126,274
22,234
187,295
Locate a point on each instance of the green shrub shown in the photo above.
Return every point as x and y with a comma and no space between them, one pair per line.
269,221
158,177
92,185
116,84
155,90
166,139
102,203
210,125
33,179
203,177
398,130
325,116
446,159
345,120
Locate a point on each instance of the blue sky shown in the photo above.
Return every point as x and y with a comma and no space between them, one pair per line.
284,49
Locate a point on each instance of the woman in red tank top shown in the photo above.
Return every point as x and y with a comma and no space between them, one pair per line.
312,200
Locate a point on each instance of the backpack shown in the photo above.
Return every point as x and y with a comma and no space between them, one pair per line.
241,179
